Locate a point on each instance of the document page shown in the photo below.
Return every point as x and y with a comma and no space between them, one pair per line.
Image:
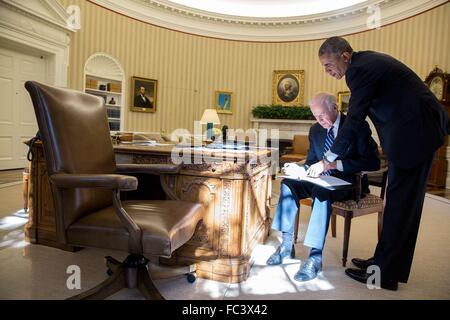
328,182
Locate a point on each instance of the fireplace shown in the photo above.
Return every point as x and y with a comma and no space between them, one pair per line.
282,144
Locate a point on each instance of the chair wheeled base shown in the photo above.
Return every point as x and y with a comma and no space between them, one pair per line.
132,273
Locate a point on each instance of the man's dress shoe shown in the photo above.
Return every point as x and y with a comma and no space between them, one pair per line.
362,276
281,253
362,263
309,270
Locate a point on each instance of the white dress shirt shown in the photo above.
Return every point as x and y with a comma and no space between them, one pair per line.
328,154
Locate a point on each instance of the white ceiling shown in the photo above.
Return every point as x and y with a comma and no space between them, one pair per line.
268,8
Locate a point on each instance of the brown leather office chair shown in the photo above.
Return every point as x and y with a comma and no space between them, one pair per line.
86,185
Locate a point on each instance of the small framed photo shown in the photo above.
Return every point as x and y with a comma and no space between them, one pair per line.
143,94
224,102
288,87
343,98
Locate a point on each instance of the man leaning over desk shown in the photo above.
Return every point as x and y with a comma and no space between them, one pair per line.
362,155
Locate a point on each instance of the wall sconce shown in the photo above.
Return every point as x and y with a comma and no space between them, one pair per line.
211,118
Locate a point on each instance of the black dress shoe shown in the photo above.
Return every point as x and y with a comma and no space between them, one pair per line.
309,270
281,253
363,264
362,276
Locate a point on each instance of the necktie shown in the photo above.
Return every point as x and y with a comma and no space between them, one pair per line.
328,143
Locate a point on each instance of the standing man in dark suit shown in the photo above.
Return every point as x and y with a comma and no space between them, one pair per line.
411,125
362,155
141,100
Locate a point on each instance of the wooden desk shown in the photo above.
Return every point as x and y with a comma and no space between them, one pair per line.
234,191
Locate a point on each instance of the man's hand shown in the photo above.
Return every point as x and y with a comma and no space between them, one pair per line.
294,170
316,169
330,165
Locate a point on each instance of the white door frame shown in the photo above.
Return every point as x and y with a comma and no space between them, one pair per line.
23,27
38,27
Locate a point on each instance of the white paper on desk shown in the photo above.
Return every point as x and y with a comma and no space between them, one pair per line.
213,150
141,142
323,181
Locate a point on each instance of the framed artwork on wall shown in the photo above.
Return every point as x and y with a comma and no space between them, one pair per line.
343,98
288,87
224,102
143,94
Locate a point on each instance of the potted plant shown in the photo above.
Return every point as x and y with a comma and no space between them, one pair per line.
281,112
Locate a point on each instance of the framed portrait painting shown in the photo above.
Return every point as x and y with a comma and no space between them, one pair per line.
288,87
143,94
343,98
224,102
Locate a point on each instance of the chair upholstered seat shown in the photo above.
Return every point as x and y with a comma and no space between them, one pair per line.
369,201
160,235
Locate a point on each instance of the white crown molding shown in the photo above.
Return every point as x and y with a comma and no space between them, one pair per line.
345,21
50,11
36,25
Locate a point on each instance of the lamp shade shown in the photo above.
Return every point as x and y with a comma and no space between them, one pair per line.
210,116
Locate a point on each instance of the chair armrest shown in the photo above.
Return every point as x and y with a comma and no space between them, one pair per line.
361,174
149,168
384,172
106,181
374,173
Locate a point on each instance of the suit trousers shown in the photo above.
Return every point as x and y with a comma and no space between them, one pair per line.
318,224
404,202
291,192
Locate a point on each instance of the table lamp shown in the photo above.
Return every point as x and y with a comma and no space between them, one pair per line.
211,118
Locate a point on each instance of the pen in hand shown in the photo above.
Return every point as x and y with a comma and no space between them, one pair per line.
307,171
316,169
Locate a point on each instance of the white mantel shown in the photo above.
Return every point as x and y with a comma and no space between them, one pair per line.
287,128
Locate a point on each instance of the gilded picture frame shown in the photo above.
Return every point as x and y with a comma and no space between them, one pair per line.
288,87
343,99
144,93
224,102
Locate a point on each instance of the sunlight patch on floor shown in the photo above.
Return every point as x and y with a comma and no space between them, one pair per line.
278,279
11,230
13,221
213,288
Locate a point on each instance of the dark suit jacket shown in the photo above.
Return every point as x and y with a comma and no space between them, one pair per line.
362,153
410,121
139,102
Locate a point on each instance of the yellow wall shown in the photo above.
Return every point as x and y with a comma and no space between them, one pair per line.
190,68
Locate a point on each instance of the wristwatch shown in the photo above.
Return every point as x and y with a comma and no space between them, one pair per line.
326,160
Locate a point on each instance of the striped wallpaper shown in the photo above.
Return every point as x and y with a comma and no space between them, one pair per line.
190,68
